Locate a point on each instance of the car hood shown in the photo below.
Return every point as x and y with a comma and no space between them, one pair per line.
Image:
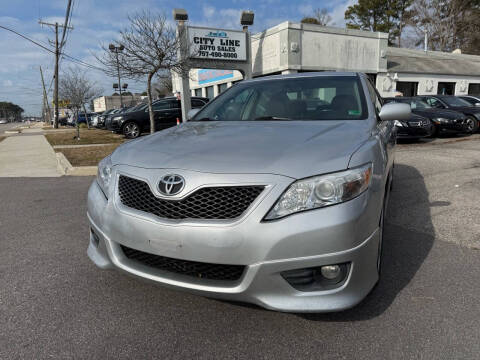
436,113
296,149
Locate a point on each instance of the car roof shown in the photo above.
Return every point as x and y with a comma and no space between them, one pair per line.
303,75
441,96
174,98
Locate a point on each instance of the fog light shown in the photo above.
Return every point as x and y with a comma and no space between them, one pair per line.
330,272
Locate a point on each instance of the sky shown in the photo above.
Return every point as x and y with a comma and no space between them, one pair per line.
99,21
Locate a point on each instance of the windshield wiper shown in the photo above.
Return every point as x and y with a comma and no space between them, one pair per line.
271,118
205,119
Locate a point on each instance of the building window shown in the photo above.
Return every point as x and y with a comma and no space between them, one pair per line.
210,92
407,88
474,89
198,92
222,87
446,88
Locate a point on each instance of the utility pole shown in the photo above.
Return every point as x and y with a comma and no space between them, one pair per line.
45,97
57,58
55,91
116,50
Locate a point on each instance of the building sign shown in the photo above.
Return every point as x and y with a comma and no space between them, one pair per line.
62,103
206,76
206,43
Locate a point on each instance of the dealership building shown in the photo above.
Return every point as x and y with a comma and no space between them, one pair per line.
294,47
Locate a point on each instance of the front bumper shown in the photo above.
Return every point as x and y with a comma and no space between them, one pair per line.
409,132
344,233
453,126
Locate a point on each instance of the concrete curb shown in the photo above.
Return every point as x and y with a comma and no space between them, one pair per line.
65,168
63,165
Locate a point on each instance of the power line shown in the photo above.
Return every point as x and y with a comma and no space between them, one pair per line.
81,62
27,38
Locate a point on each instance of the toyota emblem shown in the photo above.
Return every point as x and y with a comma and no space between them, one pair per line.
171,184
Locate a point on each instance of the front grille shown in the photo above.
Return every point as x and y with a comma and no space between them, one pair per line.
188,268
226,202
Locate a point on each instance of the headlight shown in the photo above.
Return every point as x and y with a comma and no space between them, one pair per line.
117,118
398,123
441,120
323,190
104,175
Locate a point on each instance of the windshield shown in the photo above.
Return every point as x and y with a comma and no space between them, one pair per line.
136,108
314,98
455,101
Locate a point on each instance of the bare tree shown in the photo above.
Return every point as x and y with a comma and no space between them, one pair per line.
449,24
150,50
320,17
78,90
323,17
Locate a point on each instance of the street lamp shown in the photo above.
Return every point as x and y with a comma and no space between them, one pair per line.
246,19
116,50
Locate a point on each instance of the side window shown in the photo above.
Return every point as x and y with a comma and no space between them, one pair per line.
377,102
175,104
197,103
162,105
435,103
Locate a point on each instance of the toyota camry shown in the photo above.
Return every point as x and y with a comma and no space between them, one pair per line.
274,193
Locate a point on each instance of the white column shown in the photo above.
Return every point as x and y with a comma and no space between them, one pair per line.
286,72
215,90
204,91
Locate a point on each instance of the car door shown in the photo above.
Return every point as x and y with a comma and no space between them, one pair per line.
164,114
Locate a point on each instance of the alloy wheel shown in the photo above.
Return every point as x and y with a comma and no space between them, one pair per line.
470,125
131,130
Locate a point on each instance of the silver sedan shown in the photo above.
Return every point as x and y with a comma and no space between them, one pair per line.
274,193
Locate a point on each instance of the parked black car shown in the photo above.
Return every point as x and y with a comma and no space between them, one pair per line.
167,111
416,127
103,116
108,117
451,102
443,120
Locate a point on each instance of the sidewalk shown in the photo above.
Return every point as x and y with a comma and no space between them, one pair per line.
27,155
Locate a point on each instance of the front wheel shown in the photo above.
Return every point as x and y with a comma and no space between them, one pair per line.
471,125
131,130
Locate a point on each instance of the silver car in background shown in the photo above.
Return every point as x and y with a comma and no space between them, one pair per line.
274,193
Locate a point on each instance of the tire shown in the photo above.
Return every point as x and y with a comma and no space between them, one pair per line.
131,130
380,243
381,226
471,125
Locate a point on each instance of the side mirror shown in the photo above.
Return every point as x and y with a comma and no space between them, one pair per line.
192,113
395,111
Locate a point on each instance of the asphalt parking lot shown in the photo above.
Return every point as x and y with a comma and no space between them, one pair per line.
54,303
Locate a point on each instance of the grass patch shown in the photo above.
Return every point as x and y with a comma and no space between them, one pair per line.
88,155
92,136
